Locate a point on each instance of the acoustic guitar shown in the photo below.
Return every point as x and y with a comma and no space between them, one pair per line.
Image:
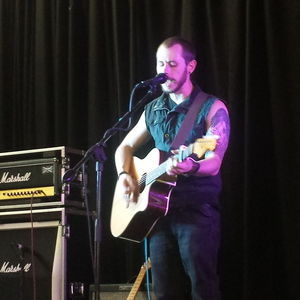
135,221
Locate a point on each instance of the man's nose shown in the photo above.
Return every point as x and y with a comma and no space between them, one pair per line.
165,69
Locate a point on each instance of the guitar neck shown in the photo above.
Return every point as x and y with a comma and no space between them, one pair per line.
153,175
161,169
137,284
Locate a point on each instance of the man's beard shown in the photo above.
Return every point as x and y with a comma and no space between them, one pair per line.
180,83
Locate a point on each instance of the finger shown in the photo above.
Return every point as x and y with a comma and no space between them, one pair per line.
174,161
127,196
135,198
171,164
182,149
127,190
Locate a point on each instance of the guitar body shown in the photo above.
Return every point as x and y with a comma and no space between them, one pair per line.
136,221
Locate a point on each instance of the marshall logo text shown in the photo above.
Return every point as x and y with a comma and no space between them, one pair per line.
6,268
7,178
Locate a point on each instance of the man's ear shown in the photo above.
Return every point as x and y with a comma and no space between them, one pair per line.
192,66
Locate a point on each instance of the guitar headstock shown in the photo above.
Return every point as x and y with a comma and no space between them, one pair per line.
147,265
202,145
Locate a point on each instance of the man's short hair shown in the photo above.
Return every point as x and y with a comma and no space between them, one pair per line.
188,50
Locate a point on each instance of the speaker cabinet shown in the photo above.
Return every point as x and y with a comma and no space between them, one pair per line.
42,253
118,292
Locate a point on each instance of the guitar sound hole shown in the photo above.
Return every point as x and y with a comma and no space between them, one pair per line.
142,182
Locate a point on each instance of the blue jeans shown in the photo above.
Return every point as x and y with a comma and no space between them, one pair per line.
184,250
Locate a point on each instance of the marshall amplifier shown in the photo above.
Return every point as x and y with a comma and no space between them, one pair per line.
45,254
33,177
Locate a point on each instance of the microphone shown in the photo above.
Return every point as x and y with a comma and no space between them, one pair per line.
158,79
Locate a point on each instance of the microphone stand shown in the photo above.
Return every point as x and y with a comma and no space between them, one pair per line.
97,151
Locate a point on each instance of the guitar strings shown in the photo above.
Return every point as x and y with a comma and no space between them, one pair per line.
161,169
152,175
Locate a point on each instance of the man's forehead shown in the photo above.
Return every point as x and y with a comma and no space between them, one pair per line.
169,53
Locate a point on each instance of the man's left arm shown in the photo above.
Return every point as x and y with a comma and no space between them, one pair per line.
218,125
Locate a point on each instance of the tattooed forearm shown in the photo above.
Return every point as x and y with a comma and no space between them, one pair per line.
220,126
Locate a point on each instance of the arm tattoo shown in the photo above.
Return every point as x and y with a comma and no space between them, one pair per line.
220,126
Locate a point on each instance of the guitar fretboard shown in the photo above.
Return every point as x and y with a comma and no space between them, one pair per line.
154,174
161,169
138,282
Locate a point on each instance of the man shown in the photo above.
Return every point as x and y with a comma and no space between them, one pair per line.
184,243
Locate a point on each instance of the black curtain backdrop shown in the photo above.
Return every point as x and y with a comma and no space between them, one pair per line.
67,69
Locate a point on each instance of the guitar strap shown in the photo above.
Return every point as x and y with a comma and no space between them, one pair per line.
189,121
